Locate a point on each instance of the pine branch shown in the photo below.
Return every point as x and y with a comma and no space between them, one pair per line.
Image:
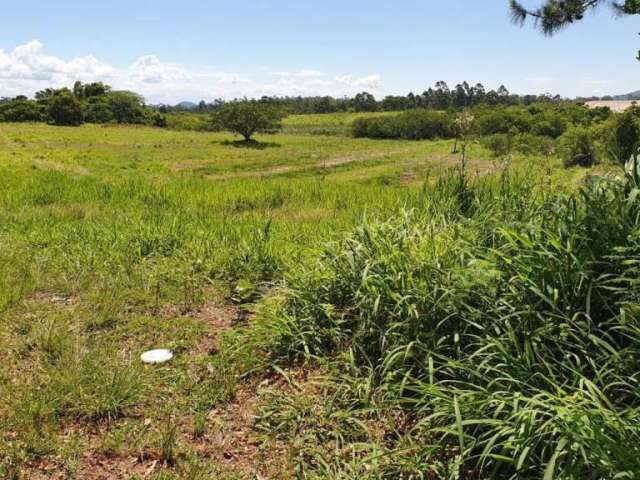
554,14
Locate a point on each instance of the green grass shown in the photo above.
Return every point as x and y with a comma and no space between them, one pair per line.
115,240
491,332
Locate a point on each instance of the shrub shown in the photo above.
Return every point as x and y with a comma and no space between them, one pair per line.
65,109
189,121
21,110
158,120
126,107
626,135
549,125
577,147
499,143
410,125
97,110
503,120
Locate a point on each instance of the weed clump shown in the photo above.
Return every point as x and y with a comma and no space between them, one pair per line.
507,331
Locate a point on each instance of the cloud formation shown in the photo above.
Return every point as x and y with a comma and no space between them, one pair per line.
28,68
29,62
372,81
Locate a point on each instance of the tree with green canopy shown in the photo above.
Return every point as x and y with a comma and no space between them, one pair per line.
248,117
65,108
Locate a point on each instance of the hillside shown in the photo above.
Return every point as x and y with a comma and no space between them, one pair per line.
629,96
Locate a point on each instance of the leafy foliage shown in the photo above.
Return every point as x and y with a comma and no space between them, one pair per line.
554,15
577,147
626,135
412,125
93,102
65,109
248,118
505,329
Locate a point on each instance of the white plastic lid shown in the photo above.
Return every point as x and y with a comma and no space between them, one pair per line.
156,356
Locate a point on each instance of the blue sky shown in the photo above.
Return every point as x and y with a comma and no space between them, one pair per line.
192,49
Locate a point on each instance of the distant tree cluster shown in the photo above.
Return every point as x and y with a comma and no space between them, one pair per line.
91,102
440,97
576,133
538,119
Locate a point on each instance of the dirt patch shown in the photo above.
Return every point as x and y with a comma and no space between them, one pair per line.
237,443
219,317
270,172
61,167
94,467
54,298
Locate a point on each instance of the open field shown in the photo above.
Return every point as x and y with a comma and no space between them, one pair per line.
614,105
119,239
116,240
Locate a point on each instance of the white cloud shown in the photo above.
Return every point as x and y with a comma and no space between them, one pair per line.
28,68
372,81
230,78
149,69
304,73
29,62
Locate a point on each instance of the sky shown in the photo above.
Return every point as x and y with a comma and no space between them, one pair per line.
170,51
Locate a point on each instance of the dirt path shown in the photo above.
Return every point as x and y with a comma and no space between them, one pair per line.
330,163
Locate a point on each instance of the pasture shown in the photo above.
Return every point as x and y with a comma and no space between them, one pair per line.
116,240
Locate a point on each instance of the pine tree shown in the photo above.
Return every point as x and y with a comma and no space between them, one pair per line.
554,15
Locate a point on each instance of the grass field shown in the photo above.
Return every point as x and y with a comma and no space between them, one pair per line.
116,240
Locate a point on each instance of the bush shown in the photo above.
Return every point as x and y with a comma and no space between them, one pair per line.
410,125
21,110
189,121
502,120
549,125
97,110
126,107
626,135
65,109
577,148
158,120
500,144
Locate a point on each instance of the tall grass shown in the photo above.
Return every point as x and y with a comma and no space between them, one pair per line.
499,317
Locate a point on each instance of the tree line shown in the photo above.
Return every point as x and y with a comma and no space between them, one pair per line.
92,102
438,97
98,103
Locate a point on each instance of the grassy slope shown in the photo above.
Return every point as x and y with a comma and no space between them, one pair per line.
118,239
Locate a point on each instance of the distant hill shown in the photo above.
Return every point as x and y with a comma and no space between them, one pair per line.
629,96
187,105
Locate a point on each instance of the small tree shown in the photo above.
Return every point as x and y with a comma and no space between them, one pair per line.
365,102
65,109
127,107
626,135
577,148
248,117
